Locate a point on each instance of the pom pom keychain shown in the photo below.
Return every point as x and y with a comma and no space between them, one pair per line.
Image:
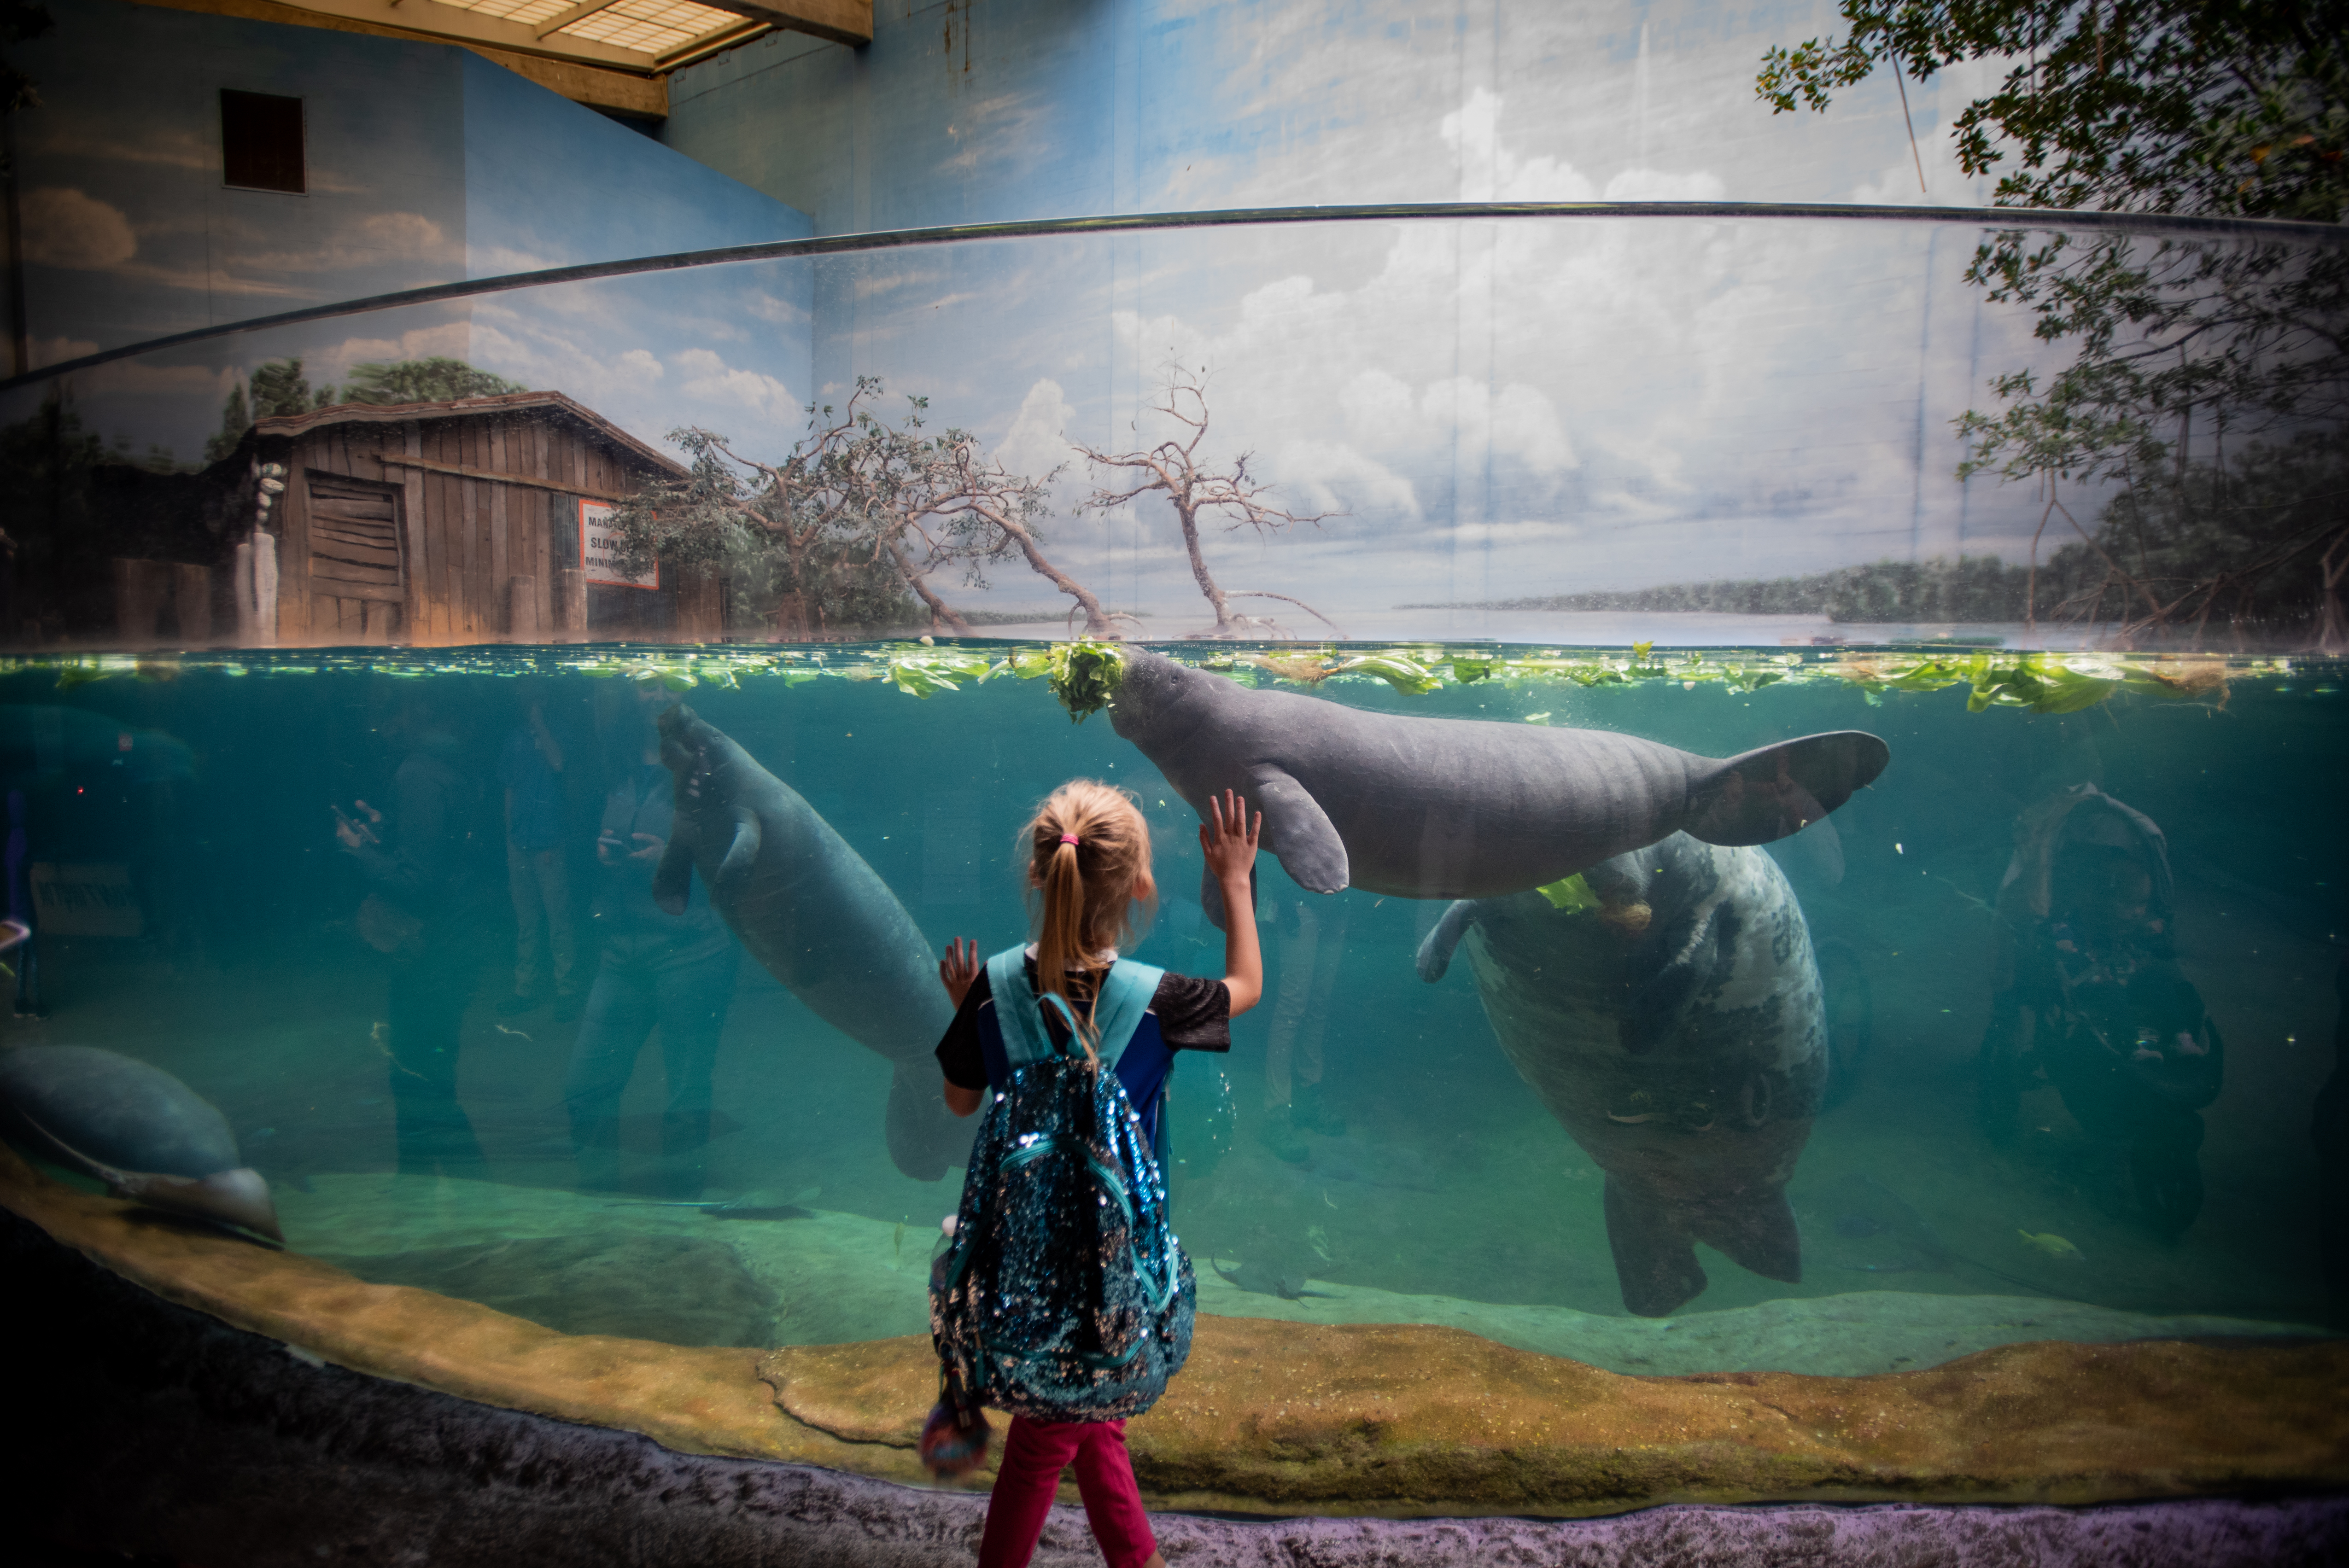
955,1438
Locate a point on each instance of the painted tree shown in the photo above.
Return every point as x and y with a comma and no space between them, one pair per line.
1201,493
848,529
2197,359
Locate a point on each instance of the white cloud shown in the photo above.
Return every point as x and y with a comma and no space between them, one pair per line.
1038,441
67,228
1665,185
712,380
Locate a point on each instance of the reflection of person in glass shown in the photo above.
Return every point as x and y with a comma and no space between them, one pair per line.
2091,994
676,971
1308,938
422,910
530,766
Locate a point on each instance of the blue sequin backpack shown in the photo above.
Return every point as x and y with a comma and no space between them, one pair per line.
1064,1295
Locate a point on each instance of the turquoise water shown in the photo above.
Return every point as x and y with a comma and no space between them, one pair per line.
1452,1193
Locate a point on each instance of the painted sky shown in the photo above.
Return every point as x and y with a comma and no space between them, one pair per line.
1496,409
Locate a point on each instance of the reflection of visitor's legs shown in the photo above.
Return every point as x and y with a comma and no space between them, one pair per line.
562,939
2165,1167
1308,1112
693,997
1291,999
426,1006
529,946
620,1013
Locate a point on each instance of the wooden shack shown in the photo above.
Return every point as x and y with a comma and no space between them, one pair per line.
463,522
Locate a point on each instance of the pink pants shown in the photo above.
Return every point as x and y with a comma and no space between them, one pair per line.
1033,1455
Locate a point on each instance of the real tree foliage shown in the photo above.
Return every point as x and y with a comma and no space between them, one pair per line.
845,531
2196,359
279,386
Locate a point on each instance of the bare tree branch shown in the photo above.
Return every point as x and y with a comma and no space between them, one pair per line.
1195,491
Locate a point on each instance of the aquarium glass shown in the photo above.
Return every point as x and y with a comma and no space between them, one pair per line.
2063,973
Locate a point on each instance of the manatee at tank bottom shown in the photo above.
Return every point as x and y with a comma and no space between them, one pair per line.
136,1128
1671,1021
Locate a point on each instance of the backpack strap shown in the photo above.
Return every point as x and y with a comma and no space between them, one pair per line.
1125,995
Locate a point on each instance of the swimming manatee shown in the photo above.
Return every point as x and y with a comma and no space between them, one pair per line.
822,921
1670,1017
136,1128
1448,808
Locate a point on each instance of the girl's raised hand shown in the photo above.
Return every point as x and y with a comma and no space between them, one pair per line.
1229,838
958,970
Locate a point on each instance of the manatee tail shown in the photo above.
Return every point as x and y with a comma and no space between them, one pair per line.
1756,1232
1765,795
923,1136
1655,1259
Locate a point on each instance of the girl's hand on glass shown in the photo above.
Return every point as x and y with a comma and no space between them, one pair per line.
1229,837
958,970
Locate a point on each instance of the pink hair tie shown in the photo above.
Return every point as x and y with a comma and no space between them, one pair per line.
1068,837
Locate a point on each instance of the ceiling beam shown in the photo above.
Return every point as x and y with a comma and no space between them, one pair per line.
580,12
846,22
741,30
634,89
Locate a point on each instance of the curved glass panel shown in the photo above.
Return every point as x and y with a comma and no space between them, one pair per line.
2052,996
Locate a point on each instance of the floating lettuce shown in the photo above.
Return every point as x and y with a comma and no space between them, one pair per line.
1407,676
920,674
1569,893
1084,675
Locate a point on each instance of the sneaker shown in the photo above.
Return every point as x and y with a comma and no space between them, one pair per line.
1308,1112
1277,1135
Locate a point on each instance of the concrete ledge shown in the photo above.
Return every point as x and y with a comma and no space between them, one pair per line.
166,1433
1366,1419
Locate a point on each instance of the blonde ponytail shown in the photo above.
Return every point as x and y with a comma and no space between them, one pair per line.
1088,847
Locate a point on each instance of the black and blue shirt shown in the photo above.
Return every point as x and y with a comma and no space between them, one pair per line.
1186,1014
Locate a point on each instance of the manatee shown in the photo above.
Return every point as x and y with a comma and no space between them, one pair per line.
136,1128
47,744
1264,1279
1670,1017
1447,807
822,921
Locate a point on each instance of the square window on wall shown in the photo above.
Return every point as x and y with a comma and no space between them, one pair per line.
260,142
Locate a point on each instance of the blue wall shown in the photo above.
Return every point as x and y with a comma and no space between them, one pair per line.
426,163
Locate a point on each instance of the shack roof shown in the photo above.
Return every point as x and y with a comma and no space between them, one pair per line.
556,403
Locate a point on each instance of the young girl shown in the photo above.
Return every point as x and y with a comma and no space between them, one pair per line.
1088,855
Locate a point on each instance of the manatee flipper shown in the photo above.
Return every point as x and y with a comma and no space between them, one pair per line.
1297,832
672,879
743,852
923,1137
1436,949
1655,1259
1757,1233
1765,795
